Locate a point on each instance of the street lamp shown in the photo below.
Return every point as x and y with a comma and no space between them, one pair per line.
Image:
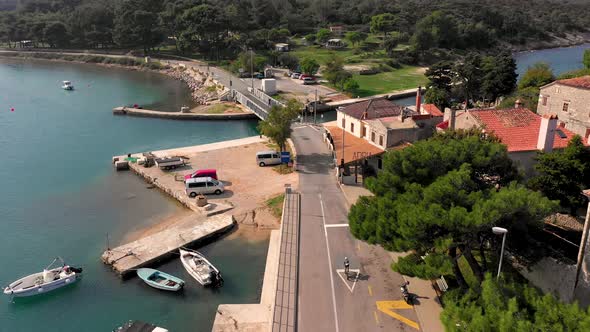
503,232
252,69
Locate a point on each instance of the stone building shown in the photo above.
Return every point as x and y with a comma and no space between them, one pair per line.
569,99
522,131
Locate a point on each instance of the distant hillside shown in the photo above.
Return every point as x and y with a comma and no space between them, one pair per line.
8,4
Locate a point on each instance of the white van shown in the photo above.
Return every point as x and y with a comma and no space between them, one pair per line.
264,158
197,186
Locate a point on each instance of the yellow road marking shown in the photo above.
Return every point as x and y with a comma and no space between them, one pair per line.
358,246
370,290
387,307
376,317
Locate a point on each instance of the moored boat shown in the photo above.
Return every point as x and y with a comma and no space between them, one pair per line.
67,85
160,280
200,268
47,280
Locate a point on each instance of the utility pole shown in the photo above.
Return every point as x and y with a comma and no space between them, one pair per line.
252,69
342,159
315,106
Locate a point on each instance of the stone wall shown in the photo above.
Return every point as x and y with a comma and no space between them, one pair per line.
577,117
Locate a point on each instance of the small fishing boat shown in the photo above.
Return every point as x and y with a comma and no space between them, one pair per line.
160,280
139,326
200,268
47,280
67,85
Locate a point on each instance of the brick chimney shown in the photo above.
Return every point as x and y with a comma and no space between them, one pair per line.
547,132
419,100
452,119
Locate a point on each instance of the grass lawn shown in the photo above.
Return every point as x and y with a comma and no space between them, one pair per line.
320,53
275,205
220,109
406,77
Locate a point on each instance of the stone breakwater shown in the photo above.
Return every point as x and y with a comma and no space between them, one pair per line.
204,88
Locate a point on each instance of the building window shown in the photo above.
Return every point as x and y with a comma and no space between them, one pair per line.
373,137
565,106
379,163
363,131
381,140
544,101
352,127
343,123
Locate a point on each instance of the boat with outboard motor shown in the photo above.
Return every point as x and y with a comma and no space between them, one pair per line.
160,280
67,85
200,268
47,280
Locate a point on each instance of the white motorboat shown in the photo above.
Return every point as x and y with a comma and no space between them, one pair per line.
200,268
47,280
67,85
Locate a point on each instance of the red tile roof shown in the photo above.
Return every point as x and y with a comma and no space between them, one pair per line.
517,128
375,108
355,148
578,82
432,110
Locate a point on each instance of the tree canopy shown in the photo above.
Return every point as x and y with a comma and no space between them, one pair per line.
277,126
441,197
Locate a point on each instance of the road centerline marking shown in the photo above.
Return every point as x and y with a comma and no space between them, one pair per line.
335,225
370,290
330,264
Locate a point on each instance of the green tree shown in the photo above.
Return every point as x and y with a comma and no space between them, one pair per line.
586,59
436,30
277,126
499,77
383,23
56,34
309,66
248,61
351,86
356,37
310,38
442,196
468,77
438,96
510,307
536,76
562,175
137,24
323,35
289,61
334,72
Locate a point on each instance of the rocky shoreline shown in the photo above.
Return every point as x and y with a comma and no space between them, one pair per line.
203,88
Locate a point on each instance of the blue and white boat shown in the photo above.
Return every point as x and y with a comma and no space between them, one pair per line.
47,280
160,280
67,85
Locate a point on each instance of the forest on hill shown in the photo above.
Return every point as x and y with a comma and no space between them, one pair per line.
226,27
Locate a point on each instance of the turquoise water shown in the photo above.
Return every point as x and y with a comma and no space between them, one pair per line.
60,197
560,59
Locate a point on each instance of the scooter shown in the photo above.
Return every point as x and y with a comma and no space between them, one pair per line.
408,297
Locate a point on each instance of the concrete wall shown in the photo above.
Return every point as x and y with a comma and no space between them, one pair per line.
553,276
465,121
348,120
524,161
577,117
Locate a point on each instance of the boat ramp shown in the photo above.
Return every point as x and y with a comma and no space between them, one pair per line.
151,249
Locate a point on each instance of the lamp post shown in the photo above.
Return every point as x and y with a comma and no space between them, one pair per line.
503,232
252,69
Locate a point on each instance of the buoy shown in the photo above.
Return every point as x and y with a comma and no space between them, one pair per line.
12,109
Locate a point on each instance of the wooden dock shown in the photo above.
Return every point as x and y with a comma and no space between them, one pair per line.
151,249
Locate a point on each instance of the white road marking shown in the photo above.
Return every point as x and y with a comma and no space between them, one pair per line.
335,225
329,264
341,275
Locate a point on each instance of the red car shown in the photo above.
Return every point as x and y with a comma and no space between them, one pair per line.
302,77
202,173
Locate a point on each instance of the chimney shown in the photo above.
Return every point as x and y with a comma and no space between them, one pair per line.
518,103
419,100
547,132
452,119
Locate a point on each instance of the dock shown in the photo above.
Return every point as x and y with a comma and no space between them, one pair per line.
146,251
140,112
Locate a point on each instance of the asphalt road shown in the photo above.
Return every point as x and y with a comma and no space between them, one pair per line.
327,301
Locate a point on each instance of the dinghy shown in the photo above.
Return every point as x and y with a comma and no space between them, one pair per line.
47,280
160,280
200,268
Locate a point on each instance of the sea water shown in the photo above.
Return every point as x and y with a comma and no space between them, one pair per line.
59,196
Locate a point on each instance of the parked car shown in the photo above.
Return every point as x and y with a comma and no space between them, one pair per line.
202,173
309,80
259,76
206,185
264,158
303,76
296,75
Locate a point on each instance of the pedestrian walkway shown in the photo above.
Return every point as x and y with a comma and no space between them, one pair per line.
285,310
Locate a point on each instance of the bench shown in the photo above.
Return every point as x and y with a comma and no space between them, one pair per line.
442,284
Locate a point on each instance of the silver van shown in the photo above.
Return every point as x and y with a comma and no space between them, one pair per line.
197,186
264,158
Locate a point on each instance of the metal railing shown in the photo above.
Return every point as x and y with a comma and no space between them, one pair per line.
244,100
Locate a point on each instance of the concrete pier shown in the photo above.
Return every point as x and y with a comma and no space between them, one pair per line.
181,116
151,249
